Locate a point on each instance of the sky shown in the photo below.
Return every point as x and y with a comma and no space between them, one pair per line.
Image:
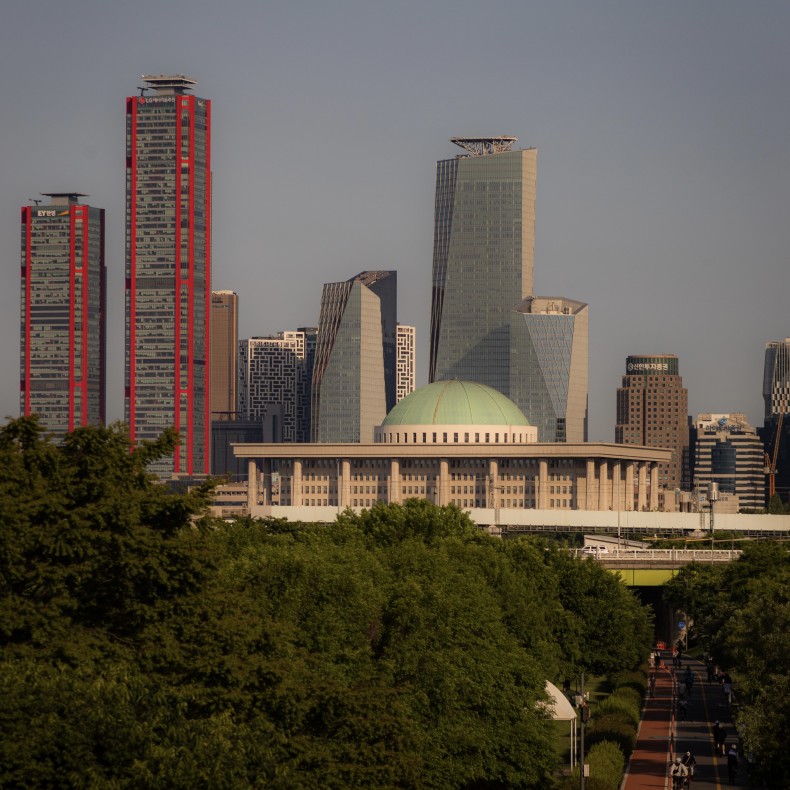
662,129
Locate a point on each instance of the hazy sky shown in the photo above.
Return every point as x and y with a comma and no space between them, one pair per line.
662,129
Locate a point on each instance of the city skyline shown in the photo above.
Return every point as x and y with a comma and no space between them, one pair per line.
662,196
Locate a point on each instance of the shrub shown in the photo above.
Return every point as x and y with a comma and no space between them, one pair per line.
618,703
607,762
636,680
615,726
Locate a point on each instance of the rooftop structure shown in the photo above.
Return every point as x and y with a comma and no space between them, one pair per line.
481,146
169,85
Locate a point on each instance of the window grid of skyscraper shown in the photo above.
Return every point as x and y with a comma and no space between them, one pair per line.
63,338
168,269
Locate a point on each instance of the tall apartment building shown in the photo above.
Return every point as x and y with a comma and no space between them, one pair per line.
224,323
355,358
168,269
275,377
727,451
775,432
482,329
652,410
404,379
63,313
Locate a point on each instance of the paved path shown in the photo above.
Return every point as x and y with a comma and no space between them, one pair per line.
664,734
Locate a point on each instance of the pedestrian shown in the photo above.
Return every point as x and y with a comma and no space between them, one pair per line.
675,658
689,677
681,690
711,670
732,763
678,773
682,705
690,763
652,684
726,685
719,737
658,659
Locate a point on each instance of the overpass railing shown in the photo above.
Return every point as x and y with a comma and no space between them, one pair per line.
673,556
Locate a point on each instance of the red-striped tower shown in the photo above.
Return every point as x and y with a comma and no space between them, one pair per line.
168,268
63,319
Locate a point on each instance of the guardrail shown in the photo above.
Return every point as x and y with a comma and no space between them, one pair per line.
681,556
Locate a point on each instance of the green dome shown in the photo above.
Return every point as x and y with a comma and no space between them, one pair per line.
455,403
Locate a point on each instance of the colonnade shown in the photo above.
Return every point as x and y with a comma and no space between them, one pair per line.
605,487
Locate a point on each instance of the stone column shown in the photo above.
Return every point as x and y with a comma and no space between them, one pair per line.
394,481
266,483
443,497
492,484
543,483
642,495
252,485
589,500
617,486
654,486
604,491
629,485
344,484
296,483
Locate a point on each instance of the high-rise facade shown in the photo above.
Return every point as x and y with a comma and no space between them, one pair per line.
487,325
776,378
275,376
224,323
168,269
405,380
775,432
652,410
727,451
354,376
552,367
63,317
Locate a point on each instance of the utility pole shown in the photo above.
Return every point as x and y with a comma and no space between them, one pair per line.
584,715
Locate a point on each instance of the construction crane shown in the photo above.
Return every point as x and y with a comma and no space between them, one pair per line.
770,464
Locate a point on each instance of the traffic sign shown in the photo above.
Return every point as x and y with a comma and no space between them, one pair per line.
682,624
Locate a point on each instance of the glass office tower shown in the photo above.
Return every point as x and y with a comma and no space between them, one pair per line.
63,319
355,367
168,269
486,324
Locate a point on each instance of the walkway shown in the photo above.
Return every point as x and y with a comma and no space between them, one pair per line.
663,736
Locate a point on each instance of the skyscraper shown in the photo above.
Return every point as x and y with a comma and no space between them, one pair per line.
406,361
486,323
224,322
551,370
355,358
726,450
168,269
275,375
652,410
775,432
776,378
63,319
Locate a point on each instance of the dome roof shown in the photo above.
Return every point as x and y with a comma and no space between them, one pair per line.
455,403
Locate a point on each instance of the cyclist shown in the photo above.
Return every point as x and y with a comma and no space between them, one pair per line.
678,773
690,763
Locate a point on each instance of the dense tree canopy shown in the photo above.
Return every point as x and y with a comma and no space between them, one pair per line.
741,613
143,646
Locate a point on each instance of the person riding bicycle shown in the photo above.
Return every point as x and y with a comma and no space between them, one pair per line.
690,762
678,773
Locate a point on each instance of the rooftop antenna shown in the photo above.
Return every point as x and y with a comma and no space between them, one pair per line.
143,89
33,200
